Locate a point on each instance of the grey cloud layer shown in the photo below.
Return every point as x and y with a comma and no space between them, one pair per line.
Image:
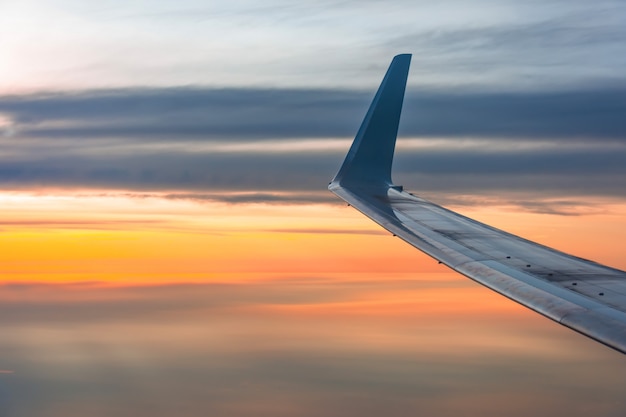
177,113
186,112
178,139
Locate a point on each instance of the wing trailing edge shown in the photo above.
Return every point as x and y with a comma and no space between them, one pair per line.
583,295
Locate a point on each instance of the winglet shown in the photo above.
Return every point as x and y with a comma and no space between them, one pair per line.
369,160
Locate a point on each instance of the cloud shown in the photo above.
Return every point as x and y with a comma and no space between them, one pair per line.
331,231
272,177
174,114
545,205
566,115
547,49
285,145
288,347
505,43
311,197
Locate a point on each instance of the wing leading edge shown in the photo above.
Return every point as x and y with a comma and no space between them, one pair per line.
585,296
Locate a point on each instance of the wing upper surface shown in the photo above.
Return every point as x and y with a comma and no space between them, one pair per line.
583,295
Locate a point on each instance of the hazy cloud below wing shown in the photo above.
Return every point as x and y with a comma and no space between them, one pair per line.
238,349
201,113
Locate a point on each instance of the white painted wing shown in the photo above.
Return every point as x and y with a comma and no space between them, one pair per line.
580,294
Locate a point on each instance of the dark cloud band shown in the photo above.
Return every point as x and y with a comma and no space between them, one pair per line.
189,141
201,113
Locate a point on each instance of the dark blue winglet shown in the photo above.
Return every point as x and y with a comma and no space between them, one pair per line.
369,160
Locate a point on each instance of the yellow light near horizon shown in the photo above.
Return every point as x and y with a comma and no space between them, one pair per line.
120,238
126,239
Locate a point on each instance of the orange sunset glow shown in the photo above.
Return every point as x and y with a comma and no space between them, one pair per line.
116,238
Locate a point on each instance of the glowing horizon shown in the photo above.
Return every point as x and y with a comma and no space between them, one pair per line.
125,239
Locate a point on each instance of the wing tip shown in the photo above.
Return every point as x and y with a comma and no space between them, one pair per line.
369,159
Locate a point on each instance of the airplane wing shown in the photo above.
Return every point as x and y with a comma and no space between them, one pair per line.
580,294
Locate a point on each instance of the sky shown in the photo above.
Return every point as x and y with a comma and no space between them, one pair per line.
168,245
